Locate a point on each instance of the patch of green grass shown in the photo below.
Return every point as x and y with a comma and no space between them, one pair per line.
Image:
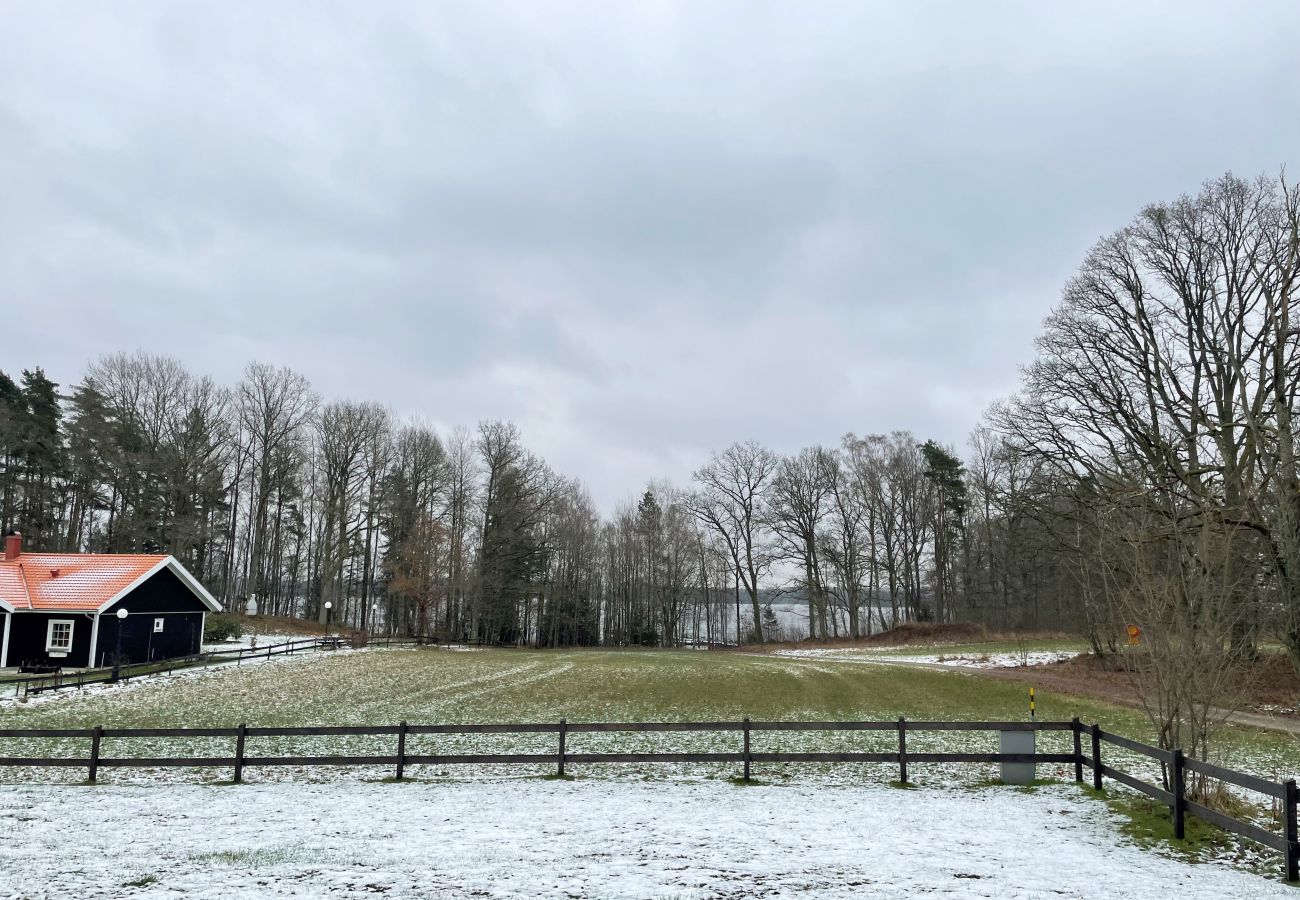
1149,824
252,859
142,881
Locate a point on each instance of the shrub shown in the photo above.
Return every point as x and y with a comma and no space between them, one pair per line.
222,628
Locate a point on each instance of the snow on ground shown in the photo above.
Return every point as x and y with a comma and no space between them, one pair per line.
264,640
144,682
615,839
993,660
957,660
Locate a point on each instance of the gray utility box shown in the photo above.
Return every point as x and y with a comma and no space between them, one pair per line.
1017,742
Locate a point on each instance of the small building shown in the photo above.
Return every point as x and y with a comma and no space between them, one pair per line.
60,610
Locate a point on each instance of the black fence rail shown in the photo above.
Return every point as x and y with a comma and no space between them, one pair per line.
1173,791
37,684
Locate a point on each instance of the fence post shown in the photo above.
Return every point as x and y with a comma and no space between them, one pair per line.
1096,757
902,750
559,759
240,734
1292,836
94,753
1078,748
401,749
1178,809
746,748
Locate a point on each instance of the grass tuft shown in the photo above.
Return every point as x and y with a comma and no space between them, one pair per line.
142,881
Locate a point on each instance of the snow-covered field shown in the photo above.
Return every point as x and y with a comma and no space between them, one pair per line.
531,838
307,828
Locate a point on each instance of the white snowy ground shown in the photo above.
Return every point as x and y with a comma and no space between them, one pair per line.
607,839
152,682
263,640
956,660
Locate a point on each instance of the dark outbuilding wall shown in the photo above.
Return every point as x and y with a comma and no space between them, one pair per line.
27,633
164,596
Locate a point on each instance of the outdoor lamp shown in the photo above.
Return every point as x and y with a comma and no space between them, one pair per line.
117,655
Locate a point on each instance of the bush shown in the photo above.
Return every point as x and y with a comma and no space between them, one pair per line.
222,628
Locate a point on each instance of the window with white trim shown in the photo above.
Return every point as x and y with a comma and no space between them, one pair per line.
158,625
58,637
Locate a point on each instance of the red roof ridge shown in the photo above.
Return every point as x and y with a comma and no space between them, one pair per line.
22,576
41,554
69,553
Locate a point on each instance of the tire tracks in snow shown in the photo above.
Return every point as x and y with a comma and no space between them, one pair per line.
486,678
499,683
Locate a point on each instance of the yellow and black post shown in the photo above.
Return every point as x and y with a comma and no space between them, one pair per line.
1031,704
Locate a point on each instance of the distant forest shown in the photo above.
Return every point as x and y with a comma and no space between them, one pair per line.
1144,471
264,491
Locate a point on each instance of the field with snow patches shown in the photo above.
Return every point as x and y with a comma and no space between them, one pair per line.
478,824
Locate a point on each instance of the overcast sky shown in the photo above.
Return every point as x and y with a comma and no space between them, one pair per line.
641,231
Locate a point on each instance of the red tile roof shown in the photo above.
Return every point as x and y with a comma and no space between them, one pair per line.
71,581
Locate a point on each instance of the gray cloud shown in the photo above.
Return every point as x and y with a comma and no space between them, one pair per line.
641,231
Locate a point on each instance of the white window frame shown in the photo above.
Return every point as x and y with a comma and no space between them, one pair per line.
158,624
59,650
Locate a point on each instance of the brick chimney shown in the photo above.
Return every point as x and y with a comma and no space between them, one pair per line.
13,545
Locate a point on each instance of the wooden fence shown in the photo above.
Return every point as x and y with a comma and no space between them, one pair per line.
1172,792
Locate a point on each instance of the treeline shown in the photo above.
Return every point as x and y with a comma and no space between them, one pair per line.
1144,473
266,492
1149,457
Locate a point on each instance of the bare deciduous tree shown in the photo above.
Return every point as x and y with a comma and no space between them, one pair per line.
731,502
